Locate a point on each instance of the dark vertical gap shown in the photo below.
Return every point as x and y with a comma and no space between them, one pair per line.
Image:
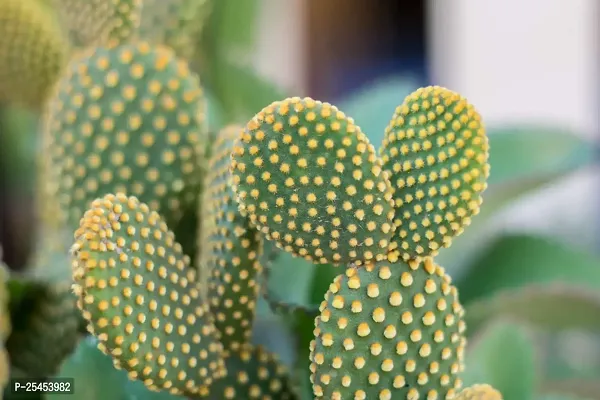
352,43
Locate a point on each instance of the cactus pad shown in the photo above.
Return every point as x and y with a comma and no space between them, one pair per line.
479,392
436,152
389,330
125,119
229,250
45,325
253,373
33,52
309,179
140,296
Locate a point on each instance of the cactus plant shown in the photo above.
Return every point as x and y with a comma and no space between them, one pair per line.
174,231
33,52
124,118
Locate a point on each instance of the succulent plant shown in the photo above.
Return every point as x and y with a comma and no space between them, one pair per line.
127,118
230,250
33,52
174,231
309,179
139,294
300,175
435,151
387,330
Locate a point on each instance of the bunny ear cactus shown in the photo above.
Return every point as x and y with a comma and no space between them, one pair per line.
308,179
389,330
126,118
254,373
479,392
140,297
142,301
33,51
435,151
230,250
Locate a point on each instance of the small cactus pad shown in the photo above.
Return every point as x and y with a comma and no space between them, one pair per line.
33,52
174,23
140,296
45,326
229,250
435,151
253,373
479,392
309,179
96,22
389,330
126,119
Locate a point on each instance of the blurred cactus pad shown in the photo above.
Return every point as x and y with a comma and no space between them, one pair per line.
163,213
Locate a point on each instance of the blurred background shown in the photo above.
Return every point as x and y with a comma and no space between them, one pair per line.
528,268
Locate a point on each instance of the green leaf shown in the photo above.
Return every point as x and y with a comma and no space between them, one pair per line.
94,375
521,151
232,23
550,306
554,396
502,356
572,389
241,91
373,106
516,260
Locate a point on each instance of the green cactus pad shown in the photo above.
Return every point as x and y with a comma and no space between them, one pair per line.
435,151
174,23
253,373
309,179
125,119
230,250
45,324
479,392
389,330
33,51
97,22
140,296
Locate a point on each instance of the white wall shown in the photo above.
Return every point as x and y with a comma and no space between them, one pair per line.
520,60
280,49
